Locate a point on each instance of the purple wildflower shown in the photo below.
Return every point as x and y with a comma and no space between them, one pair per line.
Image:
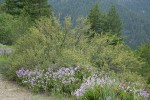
144,94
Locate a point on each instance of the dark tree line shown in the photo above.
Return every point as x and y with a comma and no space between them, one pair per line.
104,22
17,16
33,8
29,10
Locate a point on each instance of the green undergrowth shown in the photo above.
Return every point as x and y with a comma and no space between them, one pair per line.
52,96
3,63
48,44
6,46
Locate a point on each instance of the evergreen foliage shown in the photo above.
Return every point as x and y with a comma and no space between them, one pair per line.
16,16
41,42
94,19
102,22
114,21
34,8
144,52
134,15
12,28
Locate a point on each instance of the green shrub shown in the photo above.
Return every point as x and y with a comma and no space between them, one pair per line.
11,28
99,93
113,91
144,52
131,77
148,80
48,43
118,58
3,64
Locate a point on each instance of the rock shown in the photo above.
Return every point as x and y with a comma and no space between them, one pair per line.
5,51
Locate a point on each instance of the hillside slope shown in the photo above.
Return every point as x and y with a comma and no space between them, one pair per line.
134,14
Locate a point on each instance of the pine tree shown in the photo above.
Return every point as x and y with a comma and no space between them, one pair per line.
39,8
12,7
94,19
98,20
113,21
34,8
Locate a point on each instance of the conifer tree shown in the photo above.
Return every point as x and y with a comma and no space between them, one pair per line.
94,19
39,8
34,8
98,20
113,21
12,7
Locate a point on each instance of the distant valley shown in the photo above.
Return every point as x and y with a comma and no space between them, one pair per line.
134,14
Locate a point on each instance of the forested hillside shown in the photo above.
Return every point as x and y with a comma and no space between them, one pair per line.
134,14
80,58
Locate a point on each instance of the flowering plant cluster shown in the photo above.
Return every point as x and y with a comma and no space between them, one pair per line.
110,89
81,83
63,80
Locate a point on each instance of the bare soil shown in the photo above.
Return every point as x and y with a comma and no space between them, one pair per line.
11,91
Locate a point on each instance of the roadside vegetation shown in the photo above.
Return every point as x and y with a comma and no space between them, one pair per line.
89,61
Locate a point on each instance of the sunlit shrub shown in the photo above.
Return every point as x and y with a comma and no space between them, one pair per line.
49,43
12,28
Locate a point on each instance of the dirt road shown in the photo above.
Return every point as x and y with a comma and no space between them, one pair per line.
11,91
